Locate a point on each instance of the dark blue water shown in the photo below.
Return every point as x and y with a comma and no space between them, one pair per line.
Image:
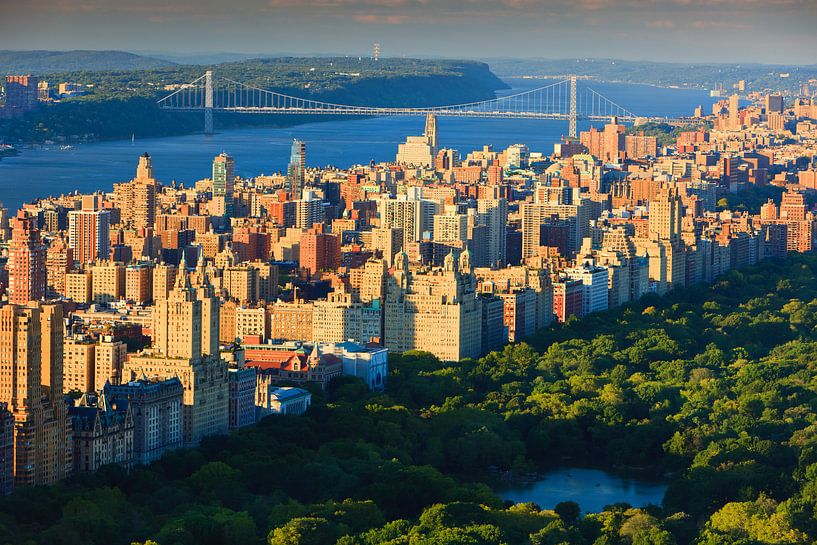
39,173
592,489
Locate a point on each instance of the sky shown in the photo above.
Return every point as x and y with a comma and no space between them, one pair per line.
762,31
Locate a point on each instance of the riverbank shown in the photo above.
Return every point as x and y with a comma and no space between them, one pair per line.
8,151
120,105
257,150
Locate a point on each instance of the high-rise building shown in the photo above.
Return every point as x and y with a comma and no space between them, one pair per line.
185,344
139,283
89,234
224,182
242,396
450,226
415,216
31,386
493,213
164,277
734,112
339,319
109,358
21,96
793,206
319,251
387,241
107,281
666,211
774,103
567,299
415,151
296,170
27,256
434,310
59,260
136,199
78,286
431,132
5,231
78,364
308,210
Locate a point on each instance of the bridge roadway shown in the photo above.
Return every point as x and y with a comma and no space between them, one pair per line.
374,111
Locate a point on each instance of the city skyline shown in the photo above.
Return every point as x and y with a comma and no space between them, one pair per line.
774,32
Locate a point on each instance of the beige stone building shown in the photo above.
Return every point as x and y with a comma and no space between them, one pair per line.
251,321
185,345
109,359
339,319
434,310
136,199
107,281
78,364
241,282
164,276
139,283
78,286
31,339
290,321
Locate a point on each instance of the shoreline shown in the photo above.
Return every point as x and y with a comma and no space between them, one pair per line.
616,81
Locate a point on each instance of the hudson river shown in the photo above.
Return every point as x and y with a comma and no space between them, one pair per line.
37,173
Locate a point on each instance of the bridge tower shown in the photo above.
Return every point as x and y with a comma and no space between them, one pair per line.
572,132
208,102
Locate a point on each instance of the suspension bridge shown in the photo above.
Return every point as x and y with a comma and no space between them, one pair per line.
563,100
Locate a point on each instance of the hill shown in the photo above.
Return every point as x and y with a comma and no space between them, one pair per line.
46,62
664,74
122,103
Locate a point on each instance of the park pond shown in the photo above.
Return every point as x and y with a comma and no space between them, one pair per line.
592,489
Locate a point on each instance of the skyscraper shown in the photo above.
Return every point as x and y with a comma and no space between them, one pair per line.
27,276
224,182
666,211
296,171
185,345
493,213
31,340
137,199
734,112
431,132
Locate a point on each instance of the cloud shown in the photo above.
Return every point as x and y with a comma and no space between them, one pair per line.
383,19
715,25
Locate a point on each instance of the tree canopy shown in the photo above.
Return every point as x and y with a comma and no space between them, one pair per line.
713,386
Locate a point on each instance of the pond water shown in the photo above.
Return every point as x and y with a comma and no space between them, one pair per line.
592,489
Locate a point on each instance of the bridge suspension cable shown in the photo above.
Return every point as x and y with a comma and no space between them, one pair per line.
563,100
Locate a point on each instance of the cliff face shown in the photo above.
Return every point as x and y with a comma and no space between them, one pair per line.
112,113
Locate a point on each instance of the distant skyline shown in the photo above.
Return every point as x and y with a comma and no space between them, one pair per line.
727,31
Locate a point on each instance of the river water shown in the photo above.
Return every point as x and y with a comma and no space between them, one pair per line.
37,173
592,489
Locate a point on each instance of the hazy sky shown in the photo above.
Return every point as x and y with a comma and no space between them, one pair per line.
775,31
